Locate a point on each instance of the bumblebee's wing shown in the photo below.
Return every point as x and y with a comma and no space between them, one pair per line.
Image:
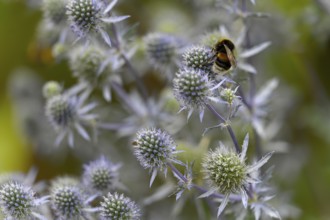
231,57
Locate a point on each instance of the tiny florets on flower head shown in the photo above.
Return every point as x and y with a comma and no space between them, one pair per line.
51,88
90,16
229,95
119,207
85,63
67,199
68,113
61,111
162,50
193,89
154,148
101,175
198,57
226,171
18,201
85,15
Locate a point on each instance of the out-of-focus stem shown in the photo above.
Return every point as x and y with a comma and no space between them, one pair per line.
122,95
229,128
140,85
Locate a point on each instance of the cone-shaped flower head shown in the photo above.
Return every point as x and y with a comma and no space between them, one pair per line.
228,95
61,111
68,113
227,172
90,16
193,89
18,201
85,15
51,88
66,199
162,50
85,63
119,207
198,57
101,175
154,148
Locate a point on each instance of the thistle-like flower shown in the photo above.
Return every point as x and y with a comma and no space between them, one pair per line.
91,16
51,88
101,175
198,57
89,66
54,10
228,173
68,200
67,113
193,89
162,51
18,202
85,63
154,148
118,207
229,95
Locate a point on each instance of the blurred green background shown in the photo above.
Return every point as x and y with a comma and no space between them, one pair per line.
300,32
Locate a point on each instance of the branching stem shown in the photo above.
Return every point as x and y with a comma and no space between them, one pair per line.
229,128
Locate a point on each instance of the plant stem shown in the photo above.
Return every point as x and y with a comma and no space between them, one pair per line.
140,85
123,96
229,128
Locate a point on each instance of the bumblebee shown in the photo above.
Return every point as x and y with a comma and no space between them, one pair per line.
224,59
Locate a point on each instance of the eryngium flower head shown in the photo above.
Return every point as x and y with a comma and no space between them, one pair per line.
119,207
101,175
67,113
51,88
85,15
198,57
90,16
228,95
85,63
61,111
54,10
228,173
193,89
67,201
162,50
17,201
154,148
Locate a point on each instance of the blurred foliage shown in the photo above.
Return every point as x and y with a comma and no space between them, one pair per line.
300,56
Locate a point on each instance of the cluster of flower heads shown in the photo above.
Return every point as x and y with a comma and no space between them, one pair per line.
92,197
225,169
202,74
